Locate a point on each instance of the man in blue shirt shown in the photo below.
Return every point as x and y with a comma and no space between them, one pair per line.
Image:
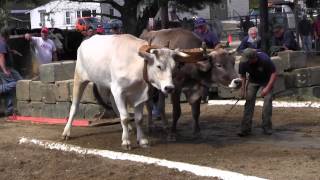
250,41
8,76
201,29
262,75
283,40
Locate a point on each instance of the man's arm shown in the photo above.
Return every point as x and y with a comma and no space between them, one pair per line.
3,64
243,90
269,86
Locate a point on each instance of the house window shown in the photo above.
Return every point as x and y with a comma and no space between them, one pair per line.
86,13
111,12
68,18
94,13
78,14
42,18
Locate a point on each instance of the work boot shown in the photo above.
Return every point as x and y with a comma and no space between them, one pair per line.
267,131
244,133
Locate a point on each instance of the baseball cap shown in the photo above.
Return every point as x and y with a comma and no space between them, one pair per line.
199,22
45,30
248,54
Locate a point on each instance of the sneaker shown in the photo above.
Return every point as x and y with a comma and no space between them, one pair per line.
244,133
267,131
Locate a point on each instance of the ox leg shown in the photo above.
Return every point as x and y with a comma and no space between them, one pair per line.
150,124
195,115
176,112
138,117
78,88
161,106
124,116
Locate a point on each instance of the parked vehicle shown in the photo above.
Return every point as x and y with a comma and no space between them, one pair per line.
82,24
111,24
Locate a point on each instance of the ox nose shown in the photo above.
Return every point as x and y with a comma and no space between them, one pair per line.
168,89
235,83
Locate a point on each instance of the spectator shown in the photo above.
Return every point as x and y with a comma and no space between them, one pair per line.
89,33
201,29
316,27
262,75
306,30
250,41
8,76
283,40
115,29
100,30
45,48
246,25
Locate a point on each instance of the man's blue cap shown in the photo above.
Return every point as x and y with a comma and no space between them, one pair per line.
200,22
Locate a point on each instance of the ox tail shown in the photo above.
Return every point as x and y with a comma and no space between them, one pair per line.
103,103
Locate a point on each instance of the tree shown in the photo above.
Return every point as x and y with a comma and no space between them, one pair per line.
134,24
7,5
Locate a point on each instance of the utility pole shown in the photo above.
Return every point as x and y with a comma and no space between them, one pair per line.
264,28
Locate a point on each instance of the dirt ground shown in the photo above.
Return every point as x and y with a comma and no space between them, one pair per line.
292,152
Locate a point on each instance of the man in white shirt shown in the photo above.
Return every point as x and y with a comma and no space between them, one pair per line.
45,48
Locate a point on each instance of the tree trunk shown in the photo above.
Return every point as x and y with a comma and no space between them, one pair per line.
164,15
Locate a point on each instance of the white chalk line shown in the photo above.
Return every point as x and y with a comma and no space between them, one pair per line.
302,104
195,169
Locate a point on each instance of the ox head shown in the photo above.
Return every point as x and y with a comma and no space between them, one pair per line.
219,68
159,66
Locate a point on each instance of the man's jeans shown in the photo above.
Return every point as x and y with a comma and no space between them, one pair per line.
246,123
306,43
7,88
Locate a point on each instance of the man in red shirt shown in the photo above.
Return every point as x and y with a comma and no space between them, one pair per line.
316,27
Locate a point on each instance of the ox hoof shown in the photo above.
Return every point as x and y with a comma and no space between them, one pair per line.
65,137
144,143
197,135
172,137
126,145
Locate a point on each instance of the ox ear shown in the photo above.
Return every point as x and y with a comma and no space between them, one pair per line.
204,65
147,56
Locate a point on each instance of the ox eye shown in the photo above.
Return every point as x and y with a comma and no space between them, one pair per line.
159,67
218,65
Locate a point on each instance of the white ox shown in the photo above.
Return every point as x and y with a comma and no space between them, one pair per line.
122,64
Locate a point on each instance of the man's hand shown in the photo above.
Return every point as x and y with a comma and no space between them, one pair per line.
7,72
265,91
242,93
27,36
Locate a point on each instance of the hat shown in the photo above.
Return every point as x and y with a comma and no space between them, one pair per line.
248,54
45,30
200,22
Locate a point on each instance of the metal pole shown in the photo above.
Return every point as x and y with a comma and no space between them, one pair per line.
264,29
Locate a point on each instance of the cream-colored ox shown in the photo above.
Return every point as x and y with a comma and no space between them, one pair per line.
125,65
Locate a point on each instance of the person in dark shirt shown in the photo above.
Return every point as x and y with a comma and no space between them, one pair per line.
262,75
246,25
201,29
250,41
283,40
306,30
8,76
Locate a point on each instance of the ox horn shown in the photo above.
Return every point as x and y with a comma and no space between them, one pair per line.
232,51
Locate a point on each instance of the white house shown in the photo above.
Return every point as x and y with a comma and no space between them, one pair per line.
62,13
